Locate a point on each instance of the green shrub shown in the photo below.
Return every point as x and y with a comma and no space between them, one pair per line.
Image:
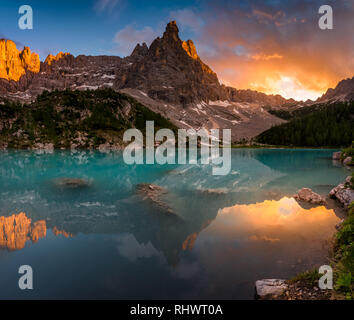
345,282
308,278
346,234
351,209
344,250
348,152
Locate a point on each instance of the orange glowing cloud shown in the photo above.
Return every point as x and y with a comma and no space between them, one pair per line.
285,213
278,48
275,222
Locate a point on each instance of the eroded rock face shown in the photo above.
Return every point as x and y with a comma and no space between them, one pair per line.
62,71
171,70
269,288
307,195
14,63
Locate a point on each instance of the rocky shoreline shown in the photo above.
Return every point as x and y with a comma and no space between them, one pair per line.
305,286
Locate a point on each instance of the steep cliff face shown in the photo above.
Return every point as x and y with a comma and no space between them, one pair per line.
171,70
14,63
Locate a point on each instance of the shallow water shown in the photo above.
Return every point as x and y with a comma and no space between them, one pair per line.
106,241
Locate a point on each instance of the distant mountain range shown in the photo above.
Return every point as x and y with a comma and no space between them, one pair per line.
168,77
344,91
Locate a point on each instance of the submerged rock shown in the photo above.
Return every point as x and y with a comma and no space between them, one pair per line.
307,195
344,195
71,183
269,288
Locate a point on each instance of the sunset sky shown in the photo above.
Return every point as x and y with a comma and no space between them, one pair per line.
273,46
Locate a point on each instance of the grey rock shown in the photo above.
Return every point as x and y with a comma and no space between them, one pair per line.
307,195
344,195
268,288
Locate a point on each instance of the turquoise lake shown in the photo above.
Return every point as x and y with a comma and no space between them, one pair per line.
105,241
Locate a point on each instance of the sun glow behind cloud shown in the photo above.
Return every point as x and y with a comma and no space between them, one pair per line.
287,87
277,47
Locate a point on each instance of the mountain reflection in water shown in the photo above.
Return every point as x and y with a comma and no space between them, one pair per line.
16,230
230,230
284,225
279,231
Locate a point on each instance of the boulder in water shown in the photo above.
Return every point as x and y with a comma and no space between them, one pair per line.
307,195
343,194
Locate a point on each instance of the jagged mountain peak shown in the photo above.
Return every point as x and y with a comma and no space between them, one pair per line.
140,50
50,58
171,35
171,71
343,91
15,63
172,32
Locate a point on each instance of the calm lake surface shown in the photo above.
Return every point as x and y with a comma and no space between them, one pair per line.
106,241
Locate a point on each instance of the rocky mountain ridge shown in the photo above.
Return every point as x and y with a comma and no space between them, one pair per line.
169,70
168,77
344,91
